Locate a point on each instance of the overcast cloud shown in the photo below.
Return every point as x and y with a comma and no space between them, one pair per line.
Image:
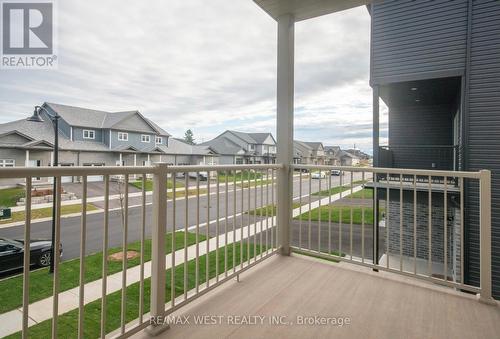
204,65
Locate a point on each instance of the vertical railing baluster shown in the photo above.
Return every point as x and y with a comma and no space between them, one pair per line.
248,217
267,211
173,242
445,225
401,222
217,227
83,238
461,230
414,224
56,259
330,212
242,205
234,221
186,225
351,216
26,258
207,234
274,225
429,264
262,206
309,220
375,205
363,217
387,215
123,312
226,220
143,249
300,209
105,256
255,216
341,181
319,211
197,234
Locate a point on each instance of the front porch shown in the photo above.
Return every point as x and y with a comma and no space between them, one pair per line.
377,305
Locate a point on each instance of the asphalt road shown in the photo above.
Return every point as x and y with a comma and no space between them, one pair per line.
70,227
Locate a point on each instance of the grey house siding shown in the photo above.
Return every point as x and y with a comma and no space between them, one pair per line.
423,126
418,36
411,39
483,125
134,139
78,134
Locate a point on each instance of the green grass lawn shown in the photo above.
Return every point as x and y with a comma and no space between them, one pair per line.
368,194
9,196
68,322
191,192
335,211
240,175
41,280
338,189
149,184
47,212
270,209
260,182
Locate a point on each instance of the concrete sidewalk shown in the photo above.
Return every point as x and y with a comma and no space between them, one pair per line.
68,300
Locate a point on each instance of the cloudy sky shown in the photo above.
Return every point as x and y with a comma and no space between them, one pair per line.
204,65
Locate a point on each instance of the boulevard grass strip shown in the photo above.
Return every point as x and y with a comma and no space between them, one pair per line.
324,211
68,322
149,184
11,292
46,212
10,196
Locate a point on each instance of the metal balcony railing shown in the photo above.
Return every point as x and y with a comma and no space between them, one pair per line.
234,213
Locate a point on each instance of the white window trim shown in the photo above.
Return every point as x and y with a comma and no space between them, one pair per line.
3,163
145,136
160,140
89,132
123,136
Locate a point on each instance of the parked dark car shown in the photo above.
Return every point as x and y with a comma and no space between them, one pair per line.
12,253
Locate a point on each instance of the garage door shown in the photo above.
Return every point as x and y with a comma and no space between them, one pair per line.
94,178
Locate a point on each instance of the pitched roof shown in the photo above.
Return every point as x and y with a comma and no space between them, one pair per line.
261,137
223,146
178,146
314,145
84,117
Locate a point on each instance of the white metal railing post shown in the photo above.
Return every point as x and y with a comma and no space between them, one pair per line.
285,94
485,236
158,250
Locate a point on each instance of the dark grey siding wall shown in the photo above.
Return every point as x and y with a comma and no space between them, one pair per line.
420,126
484,125
418,36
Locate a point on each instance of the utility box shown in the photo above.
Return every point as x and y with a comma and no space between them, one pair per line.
5,213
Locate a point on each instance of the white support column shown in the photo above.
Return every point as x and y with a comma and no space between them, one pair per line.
158,250
485,237
27,159
51,158
121,160
149,159
285,94
135,159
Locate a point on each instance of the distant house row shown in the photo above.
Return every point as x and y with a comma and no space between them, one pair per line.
97,138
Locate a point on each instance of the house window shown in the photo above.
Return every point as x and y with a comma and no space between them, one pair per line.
252,147
7,163
122,136
145,138
159,140
88,134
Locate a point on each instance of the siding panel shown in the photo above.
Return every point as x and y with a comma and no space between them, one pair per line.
418,36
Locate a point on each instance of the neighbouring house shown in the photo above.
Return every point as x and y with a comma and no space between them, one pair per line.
309,153
236,147
90,137
435,65
359,153
348,159
332,155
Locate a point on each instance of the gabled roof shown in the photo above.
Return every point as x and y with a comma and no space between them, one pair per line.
314,145
260,138
4,134
179,146
84,117
223,145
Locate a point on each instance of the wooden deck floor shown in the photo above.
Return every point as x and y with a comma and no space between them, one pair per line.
379,305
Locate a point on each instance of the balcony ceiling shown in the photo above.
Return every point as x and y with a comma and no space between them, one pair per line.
307,9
